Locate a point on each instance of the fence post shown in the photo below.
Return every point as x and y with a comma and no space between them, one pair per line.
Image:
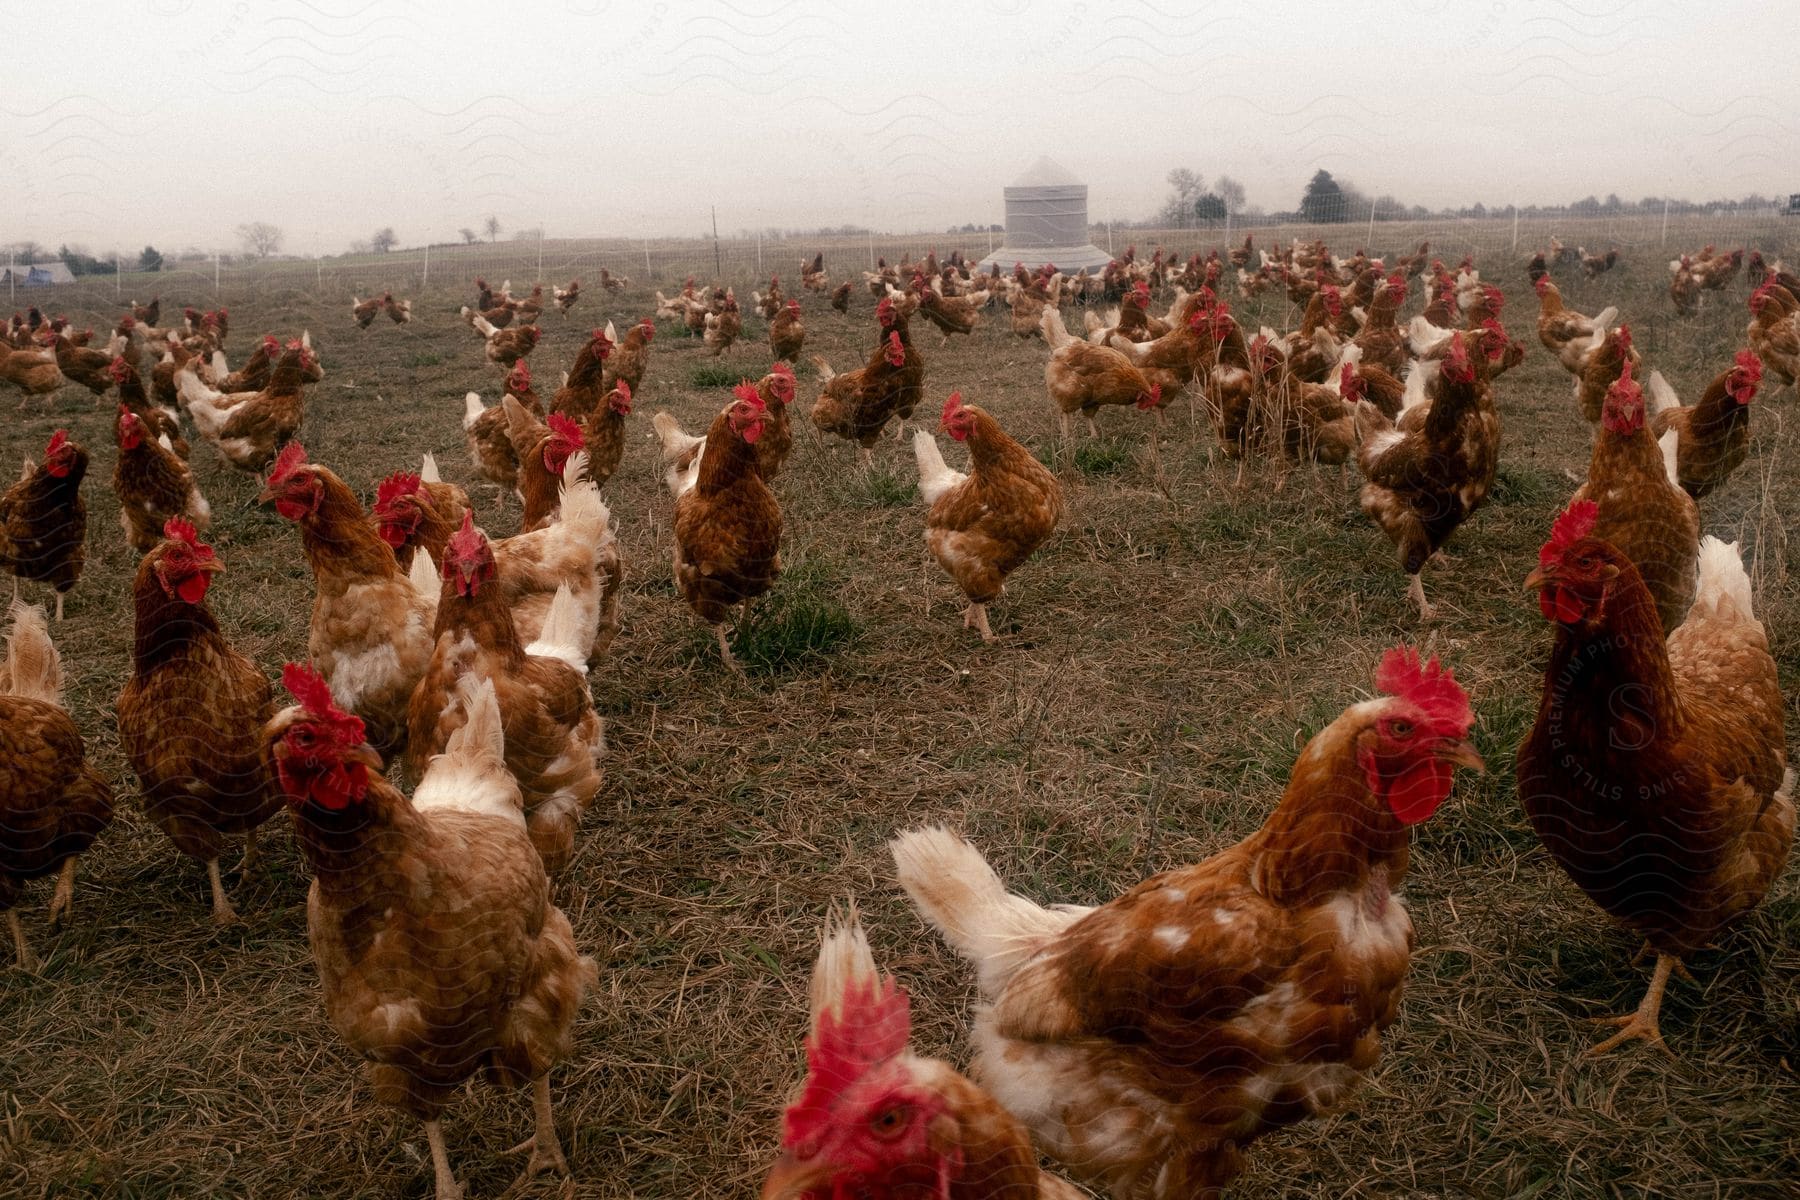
1515,227
12,277
1227,227
759,254
1371,237
646,260
215,274
425,272
320,264
540,270
990,237
1665,228
718,263
1109,248
871,249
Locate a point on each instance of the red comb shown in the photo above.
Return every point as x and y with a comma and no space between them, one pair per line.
178,530
1573,524
309,688
746,392
565,427
870,1025
1429,685
60,438
400,483
291,459
464,544
952,405
781,368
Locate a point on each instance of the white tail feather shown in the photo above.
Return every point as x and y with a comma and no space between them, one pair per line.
955,889
1722,577
1670,445
423,575
565,635
935,478
1662,396
472,409
1055,332
1603,320
428,471
471,775
33,668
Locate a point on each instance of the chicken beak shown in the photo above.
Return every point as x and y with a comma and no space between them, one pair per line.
791,1177
1535,581
1462,754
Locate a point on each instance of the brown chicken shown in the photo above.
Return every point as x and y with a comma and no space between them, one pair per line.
544,449
1672,808
586,387
1643,511
728,525
43,520
250,430
1084,378
983,525
1382,341
153,484
566,298
52,804
787,334
682,451
1774,330
191,715
554,739
364,312
1566,333
416,510
439,951
626,362
873,1119
840,297
1148,1042
83,366
33,371
857,405
504,346
1712,437
723,327
490,437
1601,370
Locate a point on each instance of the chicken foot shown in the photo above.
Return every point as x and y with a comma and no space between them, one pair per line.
975,617
1642,1023
447,1188
546,1150
62,900
27,962
223,913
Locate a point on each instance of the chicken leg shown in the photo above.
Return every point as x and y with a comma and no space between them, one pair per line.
447,1188
27,962
1415,591
223,913
59,602
975,617
62,900
725,649
249,859
1643,1022
546,1150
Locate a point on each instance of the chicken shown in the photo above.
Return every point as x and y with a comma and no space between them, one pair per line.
147,314
153,484
769,303
490,437
585,386
34,372
1147,1042
191,715
1421,486
1382,341
398,311
253,376
1600,370
682,451
1595,265
857,405
1774,330
983,525
603,434
417,510
504,346
566,298
83,366
364,312
1684,287
1672,810
1712,437
1643,511
1082,377
1566,333
874,1119
52,804
371,629
840,297
723,328
611,282
43,520
625,362
439,951
787,334
951,314
532,306
250,430
812,274
544,448
554,739
728,525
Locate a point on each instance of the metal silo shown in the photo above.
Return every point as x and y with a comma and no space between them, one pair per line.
1047,221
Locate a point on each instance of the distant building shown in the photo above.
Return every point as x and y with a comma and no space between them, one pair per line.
1793,207
1047,222
36,274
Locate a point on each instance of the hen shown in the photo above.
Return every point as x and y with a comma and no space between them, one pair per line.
371,628
52,804
873,1119
544,449
626,362
439,951
504,346
857,405
1712,437
43,520
1601,369
250,430
1566,333
983,525
1082,377
490,436
554,739
191,715
682,451
787,333
153,484
1774,330
1147,1042
416,510
728,525
1672,808
723,327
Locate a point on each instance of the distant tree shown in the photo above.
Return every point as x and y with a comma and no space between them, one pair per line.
27,251
1210,207
80,262
532,235
492,227
383,240
1323,203
260,238
1185,187
1479,210
468,236
1612,203
150,260
1231,192
1585,207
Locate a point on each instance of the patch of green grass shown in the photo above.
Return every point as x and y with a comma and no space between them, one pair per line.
800,623
1523,485
882,489
715,375
424,358
1105,457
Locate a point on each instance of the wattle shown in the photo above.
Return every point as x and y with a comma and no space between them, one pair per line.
1559,605
193,588
1417,791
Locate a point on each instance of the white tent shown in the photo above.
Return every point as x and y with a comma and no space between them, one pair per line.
32,274
1047,222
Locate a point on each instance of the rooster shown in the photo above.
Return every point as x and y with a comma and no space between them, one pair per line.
1673,810
43,520
983,525
52,804
874,1119
440,953
1147,1042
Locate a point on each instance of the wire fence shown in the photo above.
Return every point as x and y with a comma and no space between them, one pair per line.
1645,242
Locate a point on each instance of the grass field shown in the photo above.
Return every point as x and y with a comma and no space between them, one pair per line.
1160,663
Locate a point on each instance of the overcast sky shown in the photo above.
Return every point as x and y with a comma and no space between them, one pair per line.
173,121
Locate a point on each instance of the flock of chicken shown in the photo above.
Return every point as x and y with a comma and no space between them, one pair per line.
1143,1044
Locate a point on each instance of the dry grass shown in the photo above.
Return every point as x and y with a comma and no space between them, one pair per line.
1159,664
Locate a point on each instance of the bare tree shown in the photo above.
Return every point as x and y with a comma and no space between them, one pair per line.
1231,192
468,236
383,240
28,251
492,226
260,238
1186,187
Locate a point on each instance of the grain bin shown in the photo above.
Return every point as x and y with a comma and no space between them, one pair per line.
1047,222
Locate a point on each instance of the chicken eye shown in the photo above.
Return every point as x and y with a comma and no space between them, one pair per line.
1400,729
891,1123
